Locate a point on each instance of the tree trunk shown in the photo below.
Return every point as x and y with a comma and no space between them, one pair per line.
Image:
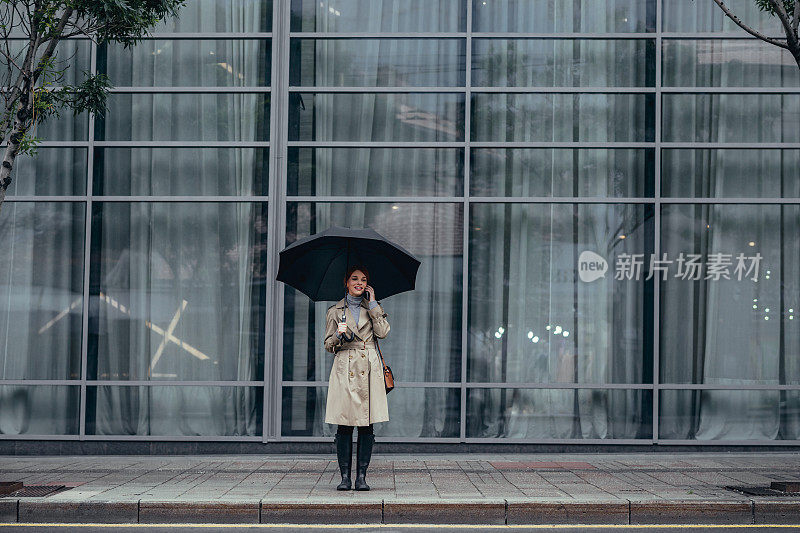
12,148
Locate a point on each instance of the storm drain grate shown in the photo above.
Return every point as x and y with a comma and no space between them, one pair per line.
764,491
36,491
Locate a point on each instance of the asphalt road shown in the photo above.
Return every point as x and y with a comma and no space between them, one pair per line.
213,528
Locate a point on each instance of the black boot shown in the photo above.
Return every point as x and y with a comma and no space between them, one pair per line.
363,454
344,452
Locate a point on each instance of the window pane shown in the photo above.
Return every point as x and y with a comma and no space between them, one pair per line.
39,410
379,16
220,16
180,411
378,62
376,117
764,118
51,172
564,16
563,117
741,325
560,413
729,415
185,117
180,171
187,62
532,320
682,16
563,63
177,291
376,171
413,413
729,173
424,343
72,53
41,290
727,63
618,172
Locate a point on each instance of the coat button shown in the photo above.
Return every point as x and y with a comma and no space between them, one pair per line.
351,356
362,372
363,356
351,374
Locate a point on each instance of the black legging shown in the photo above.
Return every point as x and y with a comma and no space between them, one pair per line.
348,430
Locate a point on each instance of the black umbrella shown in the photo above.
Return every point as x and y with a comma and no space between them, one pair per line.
315,265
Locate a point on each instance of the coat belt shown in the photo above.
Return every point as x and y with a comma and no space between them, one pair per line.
357,344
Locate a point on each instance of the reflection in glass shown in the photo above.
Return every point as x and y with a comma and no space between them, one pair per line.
185,117
187,62
180,171
563,63
731,118
728,173
618,172
378,62
564,16
177,410
378,16
559,413
221,16
177,291
680,16
730,328
532,320
376,171
53,171
41,290
73,56
424,343
729,415
727,63
562,117
376,117
39,410
413,413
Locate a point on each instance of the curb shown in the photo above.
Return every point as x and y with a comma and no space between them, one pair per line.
339,511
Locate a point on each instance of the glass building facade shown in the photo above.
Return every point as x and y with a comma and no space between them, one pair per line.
524,151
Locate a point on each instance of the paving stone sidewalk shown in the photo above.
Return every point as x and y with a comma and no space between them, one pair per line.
458,488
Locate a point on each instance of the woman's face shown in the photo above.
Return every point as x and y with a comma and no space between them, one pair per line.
356,283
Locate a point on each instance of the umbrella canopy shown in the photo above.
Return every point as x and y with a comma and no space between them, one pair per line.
315,265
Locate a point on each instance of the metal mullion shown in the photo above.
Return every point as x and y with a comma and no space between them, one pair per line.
208,36
55,144
39,437
502,440
170,383
175,438
474,144
720,442
322,438
273,365
465,214
732,145
657,226
378,199
713,35
460,90
196,199
87,248
192,90
30,198
558,200
565,386
734,386
373,35
40,382
399,384
563,36
770,201
182,144
731,90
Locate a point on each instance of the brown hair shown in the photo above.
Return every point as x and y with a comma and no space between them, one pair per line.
352,269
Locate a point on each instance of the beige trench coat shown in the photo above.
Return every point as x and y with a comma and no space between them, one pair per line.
357,392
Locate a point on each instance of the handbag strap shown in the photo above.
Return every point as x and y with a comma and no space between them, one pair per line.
376,342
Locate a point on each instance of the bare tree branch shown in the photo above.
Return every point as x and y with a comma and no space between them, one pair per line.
748,29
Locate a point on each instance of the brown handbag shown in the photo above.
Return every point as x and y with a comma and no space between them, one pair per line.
388,377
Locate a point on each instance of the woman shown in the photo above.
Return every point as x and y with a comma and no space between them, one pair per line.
357,392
